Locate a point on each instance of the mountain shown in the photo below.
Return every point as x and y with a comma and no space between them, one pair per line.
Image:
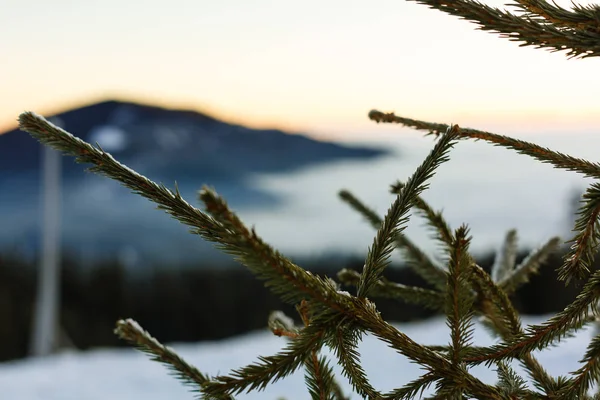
173,141
101,218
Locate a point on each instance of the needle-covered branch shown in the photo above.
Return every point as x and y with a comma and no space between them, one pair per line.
132,332
320,379
434,218
285,278
414,388
537,337
497,308
581,17
430,299
397,216
506,258
511,384
587,375
529,266
415,258
288,280
271,368
579,259
343,343
577,41
557,159
459,299
369,319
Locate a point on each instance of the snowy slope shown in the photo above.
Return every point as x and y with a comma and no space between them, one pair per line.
124,374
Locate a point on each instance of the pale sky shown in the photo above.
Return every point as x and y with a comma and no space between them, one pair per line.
310,65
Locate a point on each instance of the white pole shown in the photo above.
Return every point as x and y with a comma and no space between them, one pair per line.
45,329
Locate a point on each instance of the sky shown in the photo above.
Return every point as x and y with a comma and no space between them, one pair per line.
306,66
124,374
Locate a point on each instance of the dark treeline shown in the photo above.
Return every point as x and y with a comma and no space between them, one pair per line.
193,304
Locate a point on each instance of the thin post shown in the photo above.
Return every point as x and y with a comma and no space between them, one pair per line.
45,328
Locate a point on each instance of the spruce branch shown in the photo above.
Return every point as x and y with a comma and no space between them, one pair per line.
435,219
529,266
368,318
414,388
291,282
579,259
537,337
320,380
430,299
396,217
217,207
415,258
282,325
133,333
504,319
557,159
318,375
343,344
585,18
537,32
495,305
506,258
369,214
269,369
511,384
285,278
588,374
459,301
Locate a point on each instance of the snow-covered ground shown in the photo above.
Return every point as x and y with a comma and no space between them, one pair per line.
125,374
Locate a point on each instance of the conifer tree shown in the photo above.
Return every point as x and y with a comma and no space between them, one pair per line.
459,287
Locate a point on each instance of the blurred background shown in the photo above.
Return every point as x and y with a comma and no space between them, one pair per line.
266,102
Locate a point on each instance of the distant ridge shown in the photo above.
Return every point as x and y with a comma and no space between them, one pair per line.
189,134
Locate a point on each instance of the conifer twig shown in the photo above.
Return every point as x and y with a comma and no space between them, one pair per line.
585,243
574,315
318,373
270,368
291,282
416,259
580,18
537,32
396,217
132,332
536,337
459,309
414,388
285,278
505,319
320,380
435,219
588,374
557,159
344,345
504,263
431,299
513,385
530,265
282,325
369,214
368,318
